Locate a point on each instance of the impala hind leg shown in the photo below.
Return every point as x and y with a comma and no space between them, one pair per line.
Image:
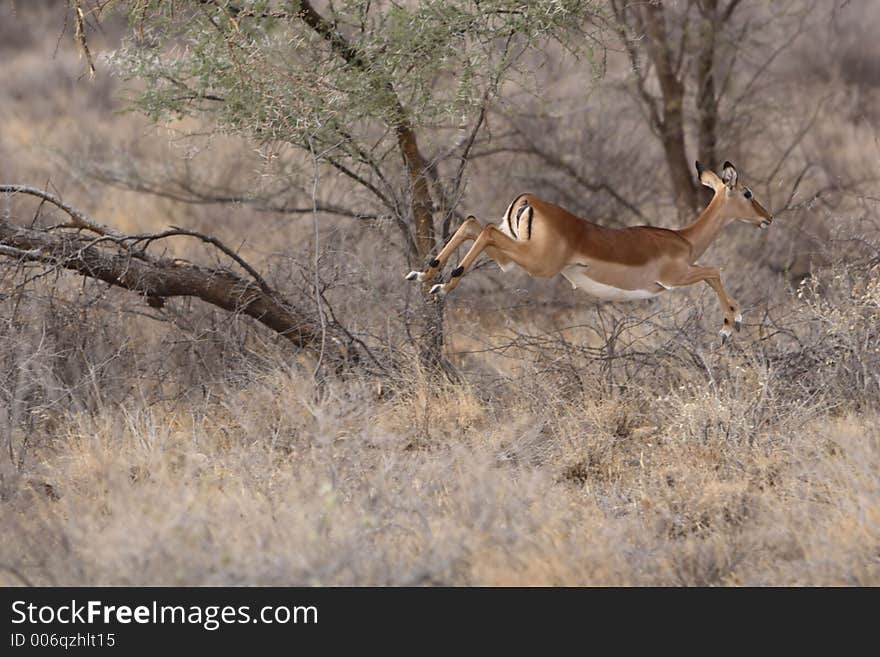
729,305
469,230
500,247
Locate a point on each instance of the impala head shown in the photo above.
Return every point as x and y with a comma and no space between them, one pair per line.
738,201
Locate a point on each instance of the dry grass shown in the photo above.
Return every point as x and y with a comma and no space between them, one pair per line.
267,483
584,443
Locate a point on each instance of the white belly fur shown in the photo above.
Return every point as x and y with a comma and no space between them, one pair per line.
577,277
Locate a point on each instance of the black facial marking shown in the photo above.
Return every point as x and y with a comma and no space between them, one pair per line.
434,263
458,271
748,193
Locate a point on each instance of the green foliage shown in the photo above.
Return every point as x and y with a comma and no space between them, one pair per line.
257,67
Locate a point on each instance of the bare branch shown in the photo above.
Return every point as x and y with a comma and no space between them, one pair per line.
208,239
554,160
190,194
80,35
80,219
155,278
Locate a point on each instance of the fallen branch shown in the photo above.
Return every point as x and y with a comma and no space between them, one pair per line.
117,259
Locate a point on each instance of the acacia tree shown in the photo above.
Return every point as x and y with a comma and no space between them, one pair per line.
390,97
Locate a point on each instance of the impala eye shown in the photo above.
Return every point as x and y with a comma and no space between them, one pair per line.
748,193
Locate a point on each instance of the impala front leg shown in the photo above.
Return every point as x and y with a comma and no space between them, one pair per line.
469,230
732,314
729,306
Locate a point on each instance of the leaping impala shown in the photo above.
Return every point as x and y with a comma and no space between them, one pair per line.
610,263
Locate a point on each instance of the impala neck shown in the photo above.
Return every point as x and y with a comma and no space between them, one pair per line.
705,229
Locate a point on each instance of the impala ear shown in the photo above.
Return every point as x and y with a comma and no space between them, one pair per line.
708,178
729,175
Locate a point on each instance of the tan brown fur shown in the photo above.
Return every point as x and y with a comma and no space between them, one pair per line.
634,262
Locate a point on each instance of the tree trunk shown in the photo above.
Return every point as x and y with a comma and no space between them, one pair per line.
421,203
707,101
672,122
422,208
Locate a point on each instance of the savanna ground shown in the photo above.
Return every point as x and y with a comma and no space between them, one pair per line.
578,443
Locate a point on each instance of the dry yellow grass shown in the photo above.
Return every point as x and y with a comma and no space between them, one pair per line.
265,484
